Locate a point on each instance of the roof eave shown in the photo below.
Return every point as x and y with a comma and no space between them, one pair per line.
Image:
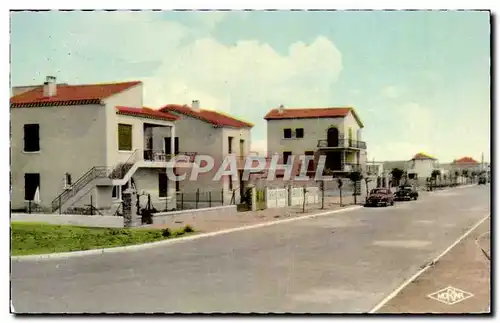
131,114
56,103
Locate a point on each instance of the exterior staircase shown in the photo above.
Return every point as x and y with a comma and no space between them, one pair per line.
95,173
120,170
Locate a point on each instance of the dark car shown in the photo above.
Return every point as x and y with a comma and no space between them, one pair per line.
406,193
380,196
482,180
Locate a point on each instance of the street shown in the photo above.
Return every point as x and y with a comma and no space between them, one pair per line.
342,263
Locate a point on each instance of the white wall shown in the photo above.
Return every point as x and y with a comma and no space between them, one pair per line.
72,140
70,219
204,139
146,180
159,135
422,167
237,134
131,97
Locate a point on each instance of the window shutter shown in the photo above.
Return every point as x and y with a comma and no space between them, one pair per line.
124,137
162,184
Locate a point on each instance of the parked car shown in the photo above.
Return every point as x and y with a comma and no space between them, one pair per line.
406,193
380,196
482,180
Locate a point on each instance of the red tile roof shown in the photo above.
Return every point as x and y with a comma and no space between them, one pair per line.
146,113
423,156
466,160
215,118
70,95
309,113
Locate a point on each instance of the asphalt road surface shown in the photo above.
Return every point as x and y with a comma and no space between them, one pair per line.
343,263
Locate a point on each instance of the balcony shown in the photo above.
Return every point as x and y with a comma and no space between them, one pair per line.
158,158
342,144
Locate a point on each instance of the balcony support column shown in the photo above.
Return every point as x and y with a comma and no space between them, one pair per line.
172,142
342,159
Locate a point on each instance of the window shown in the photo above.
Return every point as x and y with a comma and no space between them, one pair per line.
124,137
310,163
31,137
116,193
31,184
230,145
299,133
230,182
67,179
177,186
162,184
242,147
286,154
168,146
287,133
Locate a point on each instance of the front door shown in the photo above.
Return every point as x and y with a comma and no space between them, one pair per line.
333,137
333,160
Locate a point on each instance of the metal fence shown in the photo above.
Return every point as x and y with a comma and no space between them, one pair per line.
202,199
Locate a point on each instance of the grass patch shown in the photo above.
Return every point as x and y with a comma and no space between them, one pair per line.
40,238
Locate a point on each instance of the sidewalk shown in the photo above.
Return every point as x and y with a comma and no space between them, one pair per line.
225,221
465,267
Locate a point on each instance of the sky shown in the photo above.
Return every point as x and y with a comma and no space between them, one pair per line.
419,80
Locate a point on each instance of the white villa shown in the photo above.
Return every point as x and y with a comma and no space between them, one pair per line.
333,132
79,145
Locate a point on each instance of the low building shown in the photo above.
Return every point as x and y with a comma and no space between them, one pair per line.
374,168
421,166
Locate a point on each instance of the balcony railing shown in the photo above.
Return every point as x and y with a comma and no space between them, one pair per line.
343,143
161,156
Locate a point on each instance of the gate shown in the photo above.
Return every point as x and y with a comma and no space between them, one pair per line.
260,199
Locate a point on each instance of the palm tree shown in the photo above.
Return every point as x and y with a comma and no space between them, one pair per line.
367,180
340,183
434,175
355,177
465,173
397,174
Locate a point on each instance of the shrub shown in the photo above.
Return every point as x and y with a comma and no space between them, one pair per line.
188,228
166,232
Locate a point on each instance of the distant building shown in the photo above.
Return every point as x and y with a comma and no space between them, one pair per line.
374,168
467,163
421,166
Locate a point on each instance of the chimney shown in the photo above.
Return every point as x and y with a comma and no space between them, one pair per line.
195,105
281,109
50,87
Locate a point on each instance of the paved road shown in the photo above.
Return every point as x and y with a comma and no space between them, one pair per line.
343,263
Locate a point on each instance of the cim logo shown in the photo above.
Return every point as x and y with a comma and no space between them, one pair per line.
450,295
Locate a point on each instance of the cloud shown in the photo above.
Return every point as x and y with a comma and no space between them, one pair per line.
246,74
418,120
259,146
391,92
411,129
